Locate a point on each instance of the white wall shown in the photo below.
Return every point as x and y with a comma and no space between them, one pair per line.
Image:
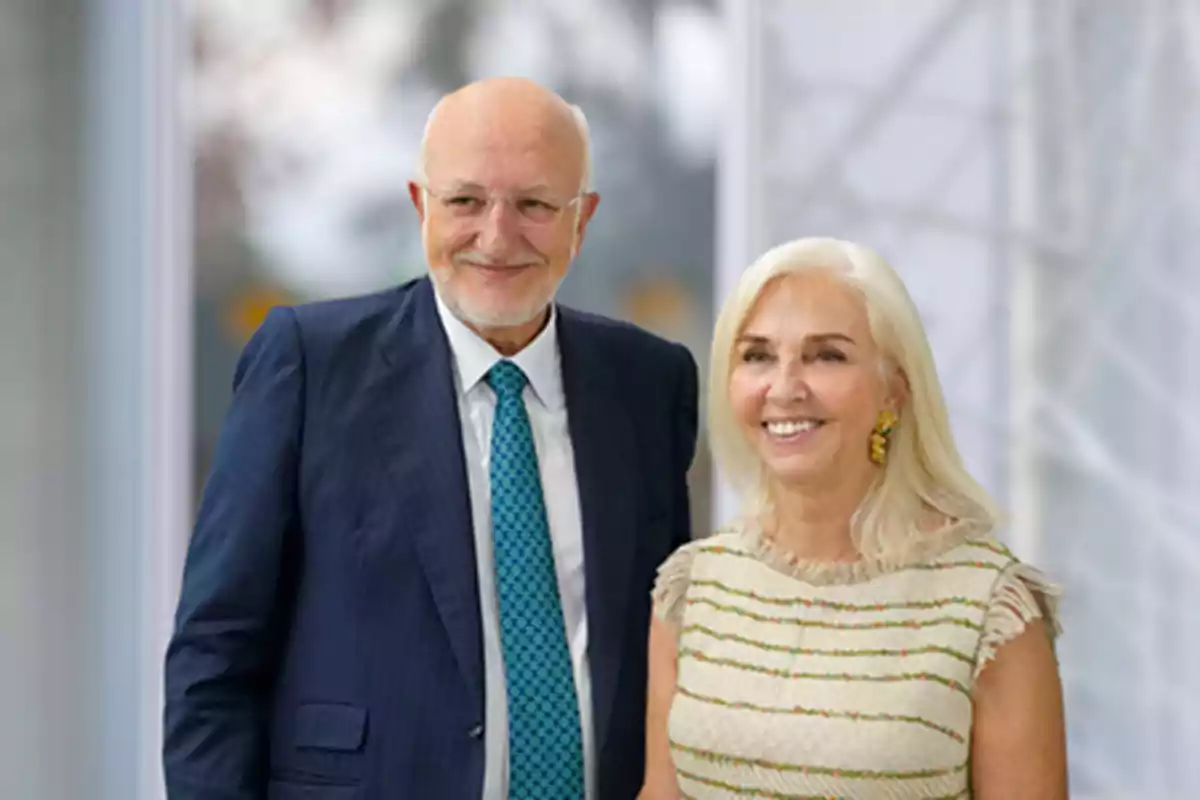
94,399
1031,168
873,121
140,409
45,617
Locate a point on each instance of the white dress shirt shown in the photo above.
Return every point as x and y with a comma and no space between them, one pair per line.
546,405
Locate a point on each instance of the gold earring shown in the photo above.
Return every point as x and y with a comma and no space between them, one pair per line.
881,436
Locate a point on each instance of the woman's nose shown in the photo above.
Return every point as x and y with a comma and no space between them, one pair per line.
789,383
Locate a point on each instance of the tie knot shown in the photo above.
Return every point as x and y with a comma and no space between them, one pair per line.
506,379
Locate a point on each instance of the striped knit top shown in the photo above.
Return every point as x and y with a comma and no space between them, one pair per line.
803,680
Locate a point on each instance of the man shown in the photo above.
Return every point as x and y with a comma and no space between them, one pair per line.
422,564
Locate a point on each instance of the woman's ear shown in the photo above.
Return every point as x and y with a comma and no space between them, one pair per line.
898,390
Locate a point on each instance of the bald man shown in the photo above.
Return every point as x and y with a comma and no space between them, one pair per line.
422,564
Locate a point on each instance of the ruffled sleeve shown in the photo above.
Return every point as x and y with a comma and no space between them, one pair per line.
1021,595
671,585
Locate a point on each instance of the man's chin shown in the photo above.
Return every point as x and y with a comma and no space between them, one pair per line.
499,317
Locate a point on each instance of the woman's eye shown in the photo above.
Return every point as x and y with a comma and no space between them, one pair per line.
753,356
831,355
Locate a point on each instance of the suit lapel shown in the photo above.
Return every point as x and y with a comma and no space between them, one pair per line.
422,448
419,437
602,438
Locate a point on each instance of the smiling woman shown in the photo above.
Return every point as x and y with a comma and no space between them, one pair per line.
808,382
826,328
859,632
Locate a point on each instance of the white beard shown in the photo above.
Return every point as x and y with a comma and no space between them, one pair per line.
508,318
511,318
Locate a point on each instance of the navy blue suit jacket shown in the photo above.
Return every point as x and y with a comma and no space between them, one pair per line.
327,643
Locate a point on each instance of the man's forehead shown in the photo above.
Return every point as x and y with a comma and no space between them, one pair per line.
499,162
470,186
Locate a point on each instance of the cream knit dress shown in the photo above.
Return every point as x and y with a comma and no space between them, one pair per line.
801,680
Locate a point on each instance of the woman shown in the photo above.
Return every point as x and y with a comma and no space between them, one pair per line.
858,632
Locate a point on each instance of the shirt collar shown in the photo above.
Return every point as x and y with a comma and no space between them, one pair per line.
474,357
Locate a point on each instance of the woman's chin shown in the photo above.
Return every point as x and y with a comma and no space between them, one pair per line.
799,471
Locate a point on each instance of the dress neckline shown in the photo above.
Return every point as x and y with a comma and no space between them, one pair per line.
923,549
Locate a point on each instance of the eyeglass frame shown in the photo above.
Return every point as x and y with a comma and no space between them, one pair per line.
510,198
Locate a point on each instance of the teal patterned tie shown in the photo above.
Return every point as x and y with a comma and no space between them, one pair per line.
544,742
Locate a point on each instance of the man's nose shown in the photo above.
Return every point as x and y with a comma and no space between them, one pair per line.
500,228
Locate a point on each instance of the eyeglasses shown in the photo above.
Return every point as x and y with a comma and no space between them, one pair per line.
533,209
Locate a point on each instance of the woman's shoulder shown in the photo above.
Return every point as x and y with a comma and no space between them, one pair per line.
1018,592
725,541
982,550
977,546
980,553
675,573
728,540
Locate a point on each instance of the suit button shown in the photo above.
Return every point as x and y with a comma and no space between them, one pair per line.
475,732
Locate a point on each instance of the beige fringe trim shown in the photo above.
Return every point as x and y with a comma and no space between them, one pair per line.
919,547
1022,594
671,585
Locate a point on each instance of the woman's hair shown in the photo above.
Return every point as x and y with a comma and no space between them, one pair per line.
924,470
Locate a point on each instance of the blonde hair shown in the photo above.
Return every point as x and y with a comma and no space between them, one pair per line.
924,470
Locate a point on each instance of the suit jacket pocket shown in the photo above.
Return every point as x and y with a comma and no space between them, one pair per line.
330,726
291,790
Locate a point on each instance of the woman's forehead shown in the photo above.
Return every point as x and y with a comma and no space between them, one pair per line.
807,302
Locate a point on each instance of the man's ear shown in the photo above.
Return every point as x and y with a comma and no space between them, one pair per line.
417,193
587,207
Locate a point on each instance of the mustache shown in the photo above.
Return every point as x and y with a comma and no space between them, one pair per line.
474,258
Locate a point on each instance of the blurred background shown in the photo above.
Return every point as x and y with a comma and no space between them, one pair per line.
170,171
